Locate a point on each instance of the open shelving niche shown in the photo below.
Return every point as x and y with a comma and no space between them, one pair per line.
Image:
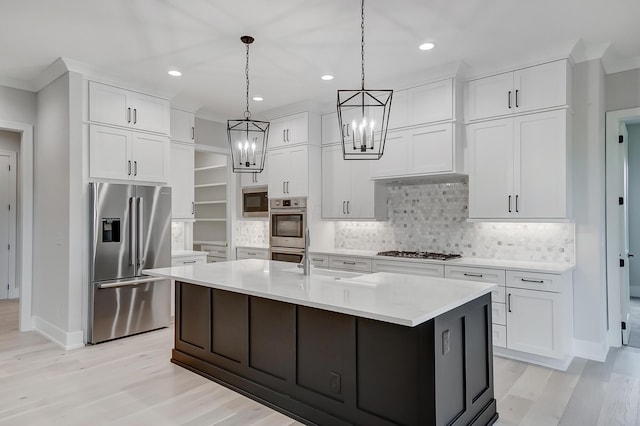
211,182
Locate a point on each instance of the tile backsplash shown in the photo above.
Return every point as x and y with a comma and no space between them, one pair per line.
432,217
177,236
251,233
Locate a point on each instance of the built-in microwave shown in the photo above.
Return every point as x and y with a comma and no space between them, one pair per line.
255,202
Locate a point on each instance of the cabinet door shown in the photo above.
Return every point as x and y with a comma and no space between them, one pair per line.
150,154
255,178
298,167
394,159
489,97
149,113
541,158
361,203
534,322
330,129
109,153
336,182
181,181
399,109
430,102
108,104
182,125
431,149
278,133
297,129
542,86
279,165
490,167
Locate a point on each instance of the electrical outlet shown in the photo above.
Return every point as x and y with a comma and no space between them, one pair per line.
446,342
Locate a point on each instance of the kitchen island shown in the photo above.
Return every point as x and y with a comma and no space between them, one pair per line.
336,348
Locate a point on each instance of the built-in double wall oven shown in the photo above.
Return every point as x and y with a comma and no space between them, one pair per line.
287,224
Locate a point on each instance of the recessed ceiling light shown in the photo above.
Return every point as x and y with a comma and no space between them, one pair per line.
175,73
258,98
426,46
327,77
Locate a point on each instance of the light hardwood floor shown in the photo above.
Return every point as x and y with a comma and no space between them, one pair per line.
131,382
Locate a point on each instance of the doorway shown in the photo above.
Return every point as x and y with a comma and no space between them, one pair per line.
8,206
623,226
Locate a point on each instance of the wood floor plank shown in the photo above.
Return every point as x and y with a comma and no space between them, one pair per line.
620,407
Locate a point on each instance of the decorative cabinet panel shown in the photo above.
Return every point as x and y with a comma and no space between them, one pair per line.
528,89
518,167
120,107
122,154
181,180
183,126
289,172
347,191
290,130
421,151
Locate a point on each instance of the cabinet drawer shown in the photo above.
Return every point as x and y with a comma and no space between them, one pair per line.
499,313
495,276
499,333
401,267
319,260
215,251
247,253
499,295
535,281
215,259
188,260
350,263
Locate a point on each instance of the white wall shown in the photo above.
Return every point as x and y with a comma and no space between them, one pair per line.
51,275
623,90
634,208
211,133
18,106
588,165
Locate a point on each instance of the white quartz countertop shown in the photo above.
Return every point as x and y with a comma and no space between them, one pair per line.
396,298
517,265
185,253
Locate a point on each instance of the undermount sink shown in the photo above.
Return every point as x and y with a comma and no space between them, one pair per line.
326,272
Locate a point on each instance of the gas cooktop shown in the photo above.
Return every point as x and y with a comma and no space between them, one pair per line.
420,255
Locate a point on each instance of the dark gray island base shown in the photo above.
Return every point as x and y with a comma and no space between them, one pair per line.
327,368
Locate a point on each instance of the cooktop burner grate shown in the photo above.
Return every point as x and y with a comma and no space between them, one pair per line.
420,255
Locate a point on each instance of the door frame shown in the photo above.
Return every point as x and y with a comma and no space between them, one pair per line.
614,221
24,228
12,292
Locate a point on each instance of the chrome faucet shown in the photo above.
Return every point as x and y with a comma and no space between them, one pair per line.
306,263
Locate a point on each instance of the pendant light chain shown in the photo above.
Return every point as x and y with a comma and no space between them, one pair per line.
362,40
247,114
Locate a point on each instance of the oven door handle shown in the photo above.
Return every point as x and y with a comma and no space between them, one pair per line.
287,211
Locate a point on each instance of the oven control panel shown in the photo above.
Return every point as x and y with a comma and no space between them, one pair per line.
280,203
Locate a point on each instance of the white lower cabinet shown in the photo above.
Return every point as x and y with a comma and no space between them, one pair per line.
319,260
183,260
499,333
404,267
350,263
252,253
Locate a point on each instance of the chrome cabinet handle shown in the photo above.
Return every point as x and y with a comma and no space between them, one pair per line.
509,203
129,167
509,302
509,98
343,210
135,168
251,254
317,259
524,280
135,116
193,207
283,191
348,263
517,203
517,98
128,115
283,138
193,133
287,135
348,212
473,275
188,261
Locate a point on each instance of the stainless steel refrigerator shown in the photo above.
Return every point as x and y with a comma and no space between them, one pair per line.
131,232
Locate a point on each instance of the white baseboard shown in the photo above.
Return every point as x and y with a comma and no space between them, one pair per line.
596,351
558,364
67,340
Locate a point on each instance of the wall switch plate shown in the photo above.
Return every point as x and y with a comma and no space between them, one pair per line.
446,342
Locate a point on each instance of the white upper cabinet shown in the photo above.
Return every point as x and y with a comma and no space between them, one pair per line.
518,167
419,151
183,126
347,191
255,178
122,154
288,172
528,89
182,180
120,107
289,130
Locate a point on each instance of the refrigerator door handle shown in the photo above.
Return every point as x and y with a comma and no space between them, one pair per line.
140,220
130,283
132,232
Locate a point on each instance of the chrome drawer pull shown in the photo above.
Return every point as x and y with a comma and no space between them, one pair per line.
473,275
188,261
348,263
316,259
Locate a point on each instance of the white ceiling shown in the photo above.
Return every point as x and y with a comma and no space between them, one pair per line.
138,41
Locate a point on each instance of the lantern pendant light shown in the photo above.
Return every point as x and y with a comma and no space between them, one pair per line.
247,138
363,116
